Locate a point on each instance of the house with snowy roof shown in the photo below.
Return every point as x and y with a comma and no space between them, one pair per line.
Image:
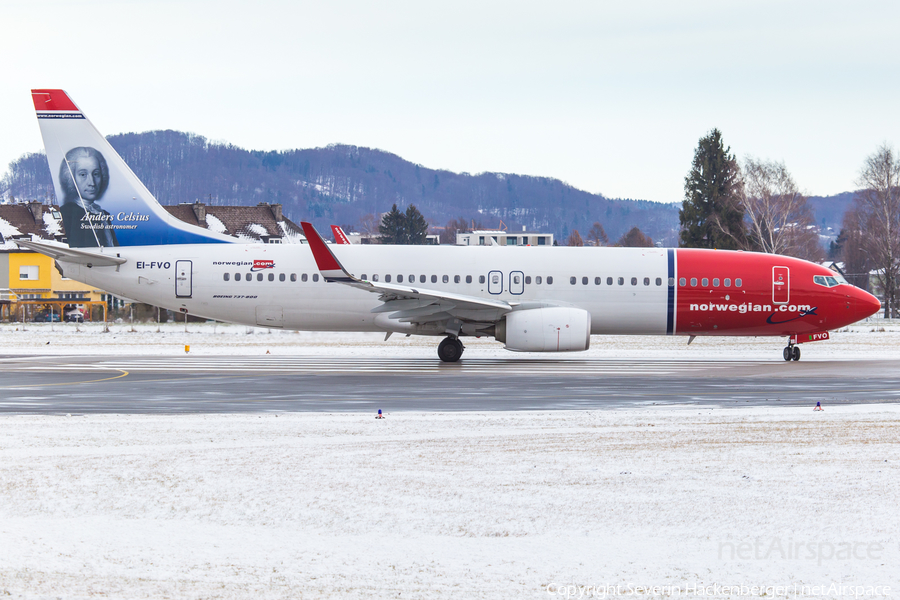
28,275
263,223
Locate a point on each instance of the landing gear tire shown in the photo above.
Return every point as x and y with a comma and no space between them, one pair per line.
450,350
795,353
788,353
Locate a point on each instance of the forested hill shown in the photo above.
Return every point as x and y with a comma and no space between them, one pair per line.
340,184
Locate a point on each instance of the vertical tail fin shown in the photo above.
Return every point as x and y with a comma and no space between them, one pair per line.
339,236
102,201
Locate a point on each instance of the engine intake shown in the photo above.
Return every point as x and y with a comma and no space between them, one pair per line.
552,329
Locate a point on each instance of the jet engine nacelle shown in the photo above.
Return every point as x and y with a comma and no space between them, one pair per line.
552,329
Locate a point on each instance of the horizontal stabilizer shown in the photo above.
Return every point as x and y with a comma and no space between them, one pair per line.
72,255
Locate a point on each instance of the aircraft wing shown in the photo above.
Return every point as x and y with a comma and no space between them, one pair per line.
410,304
73,255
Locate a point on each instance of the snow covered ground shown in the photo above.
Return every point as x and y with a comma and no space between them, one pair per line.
439,505
865,340
463,505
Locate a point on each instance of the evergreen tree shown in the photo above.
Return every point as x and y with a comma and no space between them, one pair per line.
711,214
392,228
415,226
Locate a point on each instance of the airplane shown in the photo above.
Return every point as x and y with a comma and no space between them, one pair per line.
531,299
339,236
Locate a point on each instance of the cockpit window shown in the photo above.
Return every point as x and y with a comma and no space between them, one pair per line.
828,281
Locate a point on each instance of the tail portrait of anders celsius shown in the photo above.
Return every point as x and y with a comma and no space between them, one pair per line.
84,177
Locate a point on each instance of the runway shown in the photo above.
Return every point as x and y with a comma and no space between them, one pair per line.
230,384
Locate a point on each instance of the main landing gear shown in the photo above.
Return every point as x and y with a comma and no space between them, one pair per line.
791,352
450,349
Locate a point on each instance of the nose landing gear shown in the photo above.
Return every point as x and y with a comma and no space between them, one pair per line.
450,349
791,352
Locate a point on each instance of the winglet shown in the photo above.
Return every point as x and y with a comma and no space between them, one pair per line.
339,236
328,264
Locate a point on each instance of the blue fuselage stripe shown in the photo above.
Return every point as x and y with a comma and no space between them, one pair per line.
670,314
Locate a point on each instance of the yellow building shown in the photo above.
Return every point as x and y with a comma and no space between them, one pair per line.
27,275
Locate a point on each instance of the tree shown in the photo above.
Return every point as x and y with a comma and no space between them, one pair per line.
635,238
454,226
369,224
878,207
415,227
849,249
597,236
777,215
392,228
711,214
574,239
399,228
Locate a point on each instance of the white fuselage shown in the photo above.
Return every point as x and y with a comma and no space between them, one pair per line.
298,298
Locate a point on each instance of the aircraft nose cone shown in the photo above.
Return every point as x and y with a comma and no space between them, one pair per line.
865,303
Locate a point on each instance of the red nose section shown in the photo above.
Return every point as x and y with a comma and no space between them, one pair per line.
864,305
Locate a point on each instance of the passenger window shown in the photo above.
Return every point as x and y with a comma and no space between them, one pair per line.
634,281
481,279
621,281
456,279
647,281
237,276
271,276
281,277
227,276
363,277
572,280
315,276
387,278
421,279
597,280
715,282
434,279
495,279
693,282
528,280
705,282
249,276
303,278
293,277
737,283
727,282
445,279
537,280
516,279
659,281
549,279
259,277
584,280
375,277
468,279
682,282
412,278
399,278
609,281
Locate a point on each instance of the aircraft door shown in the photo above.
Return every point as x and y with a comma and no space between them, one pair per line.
516,282
495,282
781,285
183,279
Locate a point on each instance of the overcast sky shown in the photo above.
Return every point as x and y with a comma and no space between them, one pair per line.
611,97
